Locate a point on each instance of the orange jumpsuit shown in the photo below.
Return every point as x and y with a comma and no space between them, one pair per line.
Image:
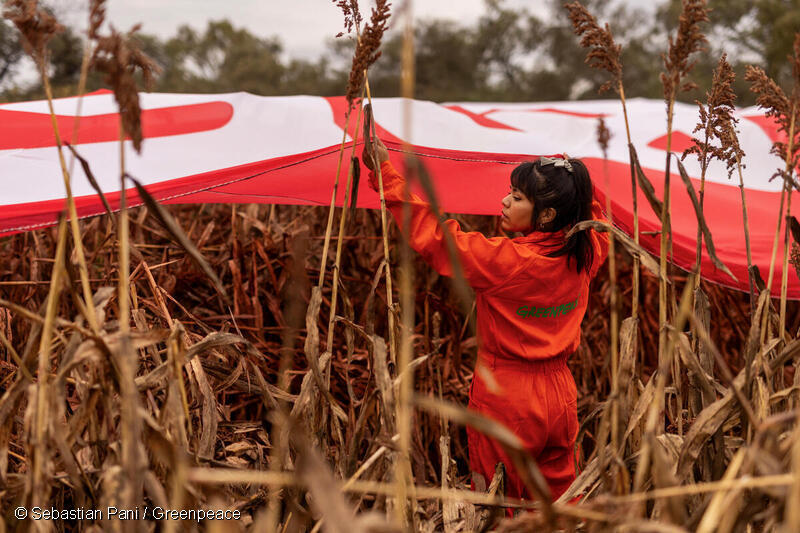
529,310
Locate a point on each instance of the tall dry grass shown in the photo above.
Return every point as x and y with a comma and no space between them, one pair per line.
199,385
257,266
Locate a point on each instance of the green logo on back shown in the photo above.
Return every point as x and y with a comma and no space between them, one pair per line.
541,312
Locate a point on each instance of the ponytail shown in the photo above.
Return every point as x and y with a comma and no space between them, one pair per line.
579,245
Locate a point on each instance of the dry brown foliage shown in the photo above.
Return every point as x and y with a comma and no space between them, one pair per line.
717,122
367,49
604,53
690,39
235,412
784,110
36,25
118,57
228,362
770,96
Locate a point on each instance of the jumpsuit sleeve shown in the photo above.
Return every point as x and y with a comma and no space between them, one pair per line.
599,240
485,262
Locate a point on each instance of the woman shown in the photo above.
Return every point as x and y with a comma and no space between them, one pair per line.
531,295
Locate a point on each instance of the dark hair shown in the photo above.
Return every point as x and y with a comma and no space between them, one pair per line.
569,194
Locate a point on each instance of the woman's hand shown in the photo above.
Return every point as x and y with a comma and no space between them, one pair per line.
374,153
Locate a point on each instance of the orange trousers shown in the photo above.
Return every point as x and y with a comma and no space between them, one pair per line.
537,401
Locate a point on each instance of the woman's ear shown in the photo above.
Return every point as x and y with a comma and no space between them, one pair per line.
546,216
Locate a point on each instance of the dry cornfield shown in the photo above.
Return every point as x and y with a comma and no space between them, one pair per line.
218,415
218,420
208,358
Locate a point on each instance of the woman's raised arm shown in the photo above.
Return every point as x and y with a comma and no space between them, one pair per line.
486,262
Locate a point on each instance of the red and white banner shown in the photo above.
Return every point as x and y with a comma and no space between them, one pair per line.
244,148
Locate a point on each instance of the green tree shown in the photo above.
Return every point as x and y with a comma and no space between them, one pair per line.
757,32
65,55
10,50
222,58
456,62
509,54
514,55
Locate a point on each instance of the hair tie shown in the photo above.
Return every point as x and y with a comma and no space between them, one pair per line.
557,162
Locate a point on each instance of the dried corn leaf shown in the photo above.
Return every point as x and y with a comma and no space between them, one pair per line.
644,183
489,516
208,417
218,340
664,453
355,170
600,225
642,406
383,380
701,219
708,422
697,373
702,310
794,228
177,408
113,341
311,349
761,396
588,479
628,337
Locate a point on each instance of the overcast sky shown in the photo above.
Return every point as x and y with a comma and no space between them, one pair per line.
304,26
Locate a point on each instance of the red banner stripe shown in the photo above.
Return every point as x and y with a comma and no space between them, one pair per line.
24,129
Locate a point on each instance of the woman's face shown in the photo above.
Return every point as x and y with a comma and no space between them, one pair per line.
517,212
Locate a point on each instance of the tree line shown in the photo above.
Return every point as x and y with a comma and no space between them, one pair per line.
509,54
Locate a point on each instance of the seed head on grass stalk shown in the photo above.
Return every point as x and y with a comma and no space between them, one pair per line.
604,53
717,122
794,259
118,56
677,66
786,112
367,49
352,15
688,41
97,15
731,150
36,25
781,108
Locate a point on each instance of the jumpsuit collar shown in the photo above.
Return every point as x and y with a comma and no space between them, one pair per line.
543,239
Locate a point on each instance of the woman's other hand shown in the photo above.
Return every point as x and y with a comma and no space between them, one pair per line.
374,153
